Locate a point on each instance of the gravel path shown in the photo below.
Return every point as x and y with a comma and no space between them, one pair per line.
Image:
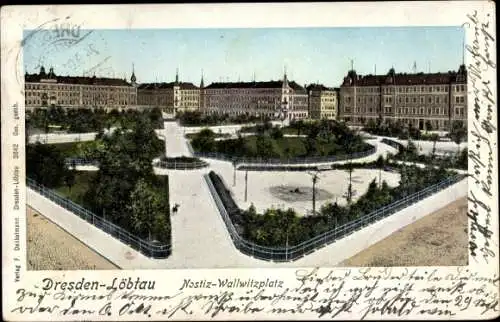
52,248
439,239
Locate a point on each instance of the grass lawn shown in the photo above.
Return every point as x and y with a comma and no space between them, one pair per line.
71,149
77,191
285,147
291,131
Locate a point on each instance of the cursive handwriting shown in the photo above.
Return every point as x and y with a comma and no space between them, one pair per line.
483,137
367,293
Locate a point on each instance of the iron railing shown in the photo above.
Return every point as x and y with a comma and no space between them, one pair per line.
149,248
72,162
291,253
298,160
392,143
180,165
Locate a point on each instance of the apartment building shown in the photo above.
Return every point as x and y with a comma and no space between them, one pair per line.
274,99
323,102
48,89
427,101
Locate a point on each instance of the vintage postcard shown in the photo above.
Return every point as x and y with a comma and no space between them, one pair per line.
282,161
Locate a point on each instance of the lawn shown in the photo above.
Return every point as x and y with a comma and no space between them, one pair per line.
72,149
284,147
83,181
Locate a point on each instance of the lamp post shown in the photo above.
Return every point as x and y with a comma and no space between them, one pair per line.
286,248
234,172
246,185
315,177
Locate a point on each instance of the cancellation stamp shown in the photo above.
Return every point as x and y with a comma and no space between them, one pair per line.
213,166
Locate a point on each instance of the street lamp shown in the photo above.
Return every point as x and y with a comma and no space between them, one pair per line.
315,177
234,172
246,185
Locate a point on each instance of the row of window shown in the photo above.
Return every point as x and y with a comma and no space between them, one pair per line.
421,99
414,89
436,124
408,110
65,87
238,91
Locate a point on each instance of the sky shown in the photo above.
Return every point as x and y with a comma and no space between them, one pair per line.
310,55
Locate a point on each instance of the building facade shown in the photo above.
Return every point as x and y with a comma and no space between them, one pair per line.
322,102
171,97
273,99
48,89
424,101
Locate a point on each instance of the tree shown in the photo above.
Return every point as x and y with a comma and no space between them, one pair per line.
45,164
428,125
371,124
349,193
435,138
146,204
457,134
125,158
69,178
264,145
204,141
380,163
276,133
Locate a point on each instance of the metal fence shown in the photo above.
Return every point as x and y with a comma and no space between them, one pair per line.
392,143
150,249
62,138
73,162
302,160
181,165
284,254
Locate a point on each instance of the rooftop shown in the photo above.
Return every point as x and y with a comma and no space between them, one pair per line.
77,80
269,84
182,85
393,78
318,87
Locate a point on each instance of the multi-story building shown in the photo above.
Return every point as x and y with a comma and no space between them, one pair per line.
322,102
424,101
48,89
273,99
171,97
